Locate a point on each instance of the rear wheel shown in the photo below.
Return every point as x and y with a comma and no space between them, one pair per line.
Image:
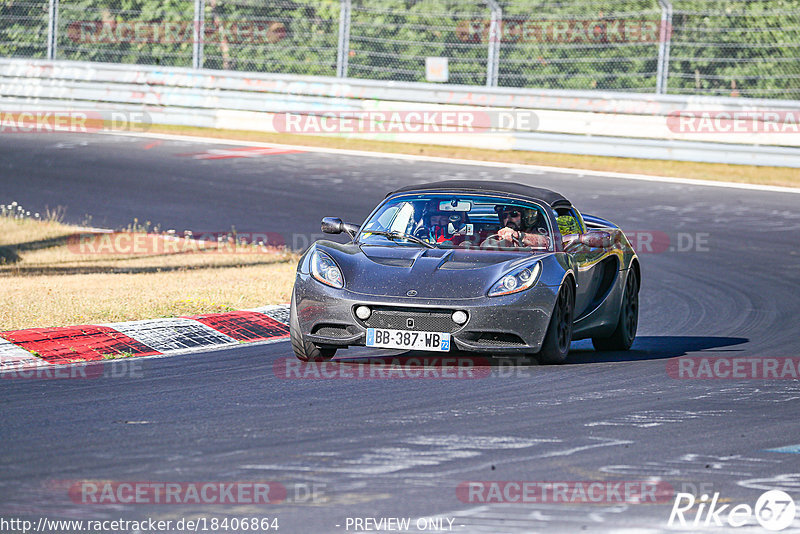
305,350
555,347
625,333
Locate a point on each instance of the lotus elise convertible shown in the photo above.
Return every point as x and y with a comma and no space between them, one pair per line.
489,267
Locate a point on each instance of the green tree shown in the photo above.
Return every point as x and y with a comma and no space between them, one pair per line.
23,28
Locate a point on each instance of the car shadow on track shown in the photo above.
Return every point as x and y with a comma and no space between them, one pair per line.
644,348
654,348
454,358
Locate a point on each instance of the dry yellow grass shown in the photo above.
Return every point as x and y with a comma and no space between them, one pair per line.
783,176
48,280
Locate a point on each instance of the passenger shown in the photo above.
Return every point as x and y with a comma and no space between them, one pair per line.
520,227
440,226
448,226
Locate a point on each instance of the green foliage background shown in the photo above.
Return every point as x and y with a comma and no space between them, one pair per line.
732,47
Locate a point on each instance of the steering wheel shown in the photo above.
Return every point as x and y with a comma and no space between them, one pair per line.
422,233
516,240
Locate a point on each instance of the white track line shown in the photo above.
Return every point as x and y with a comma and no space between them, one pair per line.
522,168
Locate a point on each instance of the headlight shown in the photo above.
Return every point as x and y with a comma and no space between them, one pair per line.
517,280
324,269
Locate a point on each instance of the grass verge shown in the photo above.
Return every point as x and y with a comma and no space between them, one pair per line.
782,176
47,279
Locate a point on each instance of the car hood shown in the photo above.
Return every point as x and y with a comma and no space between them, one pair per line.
432,273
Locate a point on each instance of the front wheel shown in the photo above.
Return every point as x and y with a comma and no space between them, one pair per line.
305,350
555,347
625,333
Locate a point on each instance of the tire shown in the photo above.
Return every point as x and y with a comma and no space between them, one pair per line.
555,347
625,333
305,350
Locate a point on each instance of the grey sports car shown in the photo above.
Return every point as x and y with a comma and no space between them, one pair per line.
481,266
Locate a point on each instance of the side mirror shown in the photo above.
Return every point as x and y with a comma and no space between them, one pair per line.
596,239
592,239
334,225
351,229
570,241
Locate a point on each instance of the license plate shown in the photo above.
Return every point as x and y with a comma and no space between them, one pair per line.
405,339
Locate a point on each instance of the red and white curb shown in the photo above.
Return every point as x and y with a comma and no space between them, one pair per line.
38,347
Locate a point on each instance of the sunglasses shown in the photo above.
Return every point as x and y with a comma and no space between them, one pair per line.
507,214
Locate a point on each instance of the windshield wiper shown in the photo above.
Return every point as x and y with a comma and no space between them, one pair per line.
400,235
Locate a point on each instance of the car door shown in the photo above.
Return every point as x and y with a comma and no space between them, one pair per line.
594,265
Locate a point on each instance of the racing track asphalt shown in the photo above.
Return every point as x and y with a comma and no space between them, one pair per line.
400,447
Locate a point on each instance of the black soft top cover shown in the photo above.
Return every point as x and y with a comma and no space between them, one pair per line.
504,188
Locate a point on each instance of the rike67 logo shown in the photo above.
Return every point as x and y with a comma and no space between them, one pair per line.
774,510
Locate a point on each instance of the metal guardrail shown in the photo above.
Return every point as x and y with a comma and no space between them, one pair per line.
597,101
579,122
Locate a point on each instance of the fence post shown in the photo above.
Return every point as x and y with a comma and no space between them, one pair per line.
343,48
665,37
198,34
493,60
52,30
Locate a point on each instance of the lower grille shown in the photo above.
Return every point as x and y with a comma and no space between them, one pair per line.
412,319
493,339
332,331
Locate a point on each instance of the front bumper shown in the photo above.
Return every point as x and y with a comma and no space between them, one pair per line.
510,324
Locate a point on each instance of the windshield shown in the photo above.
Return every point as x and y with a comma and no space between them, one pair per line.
457,220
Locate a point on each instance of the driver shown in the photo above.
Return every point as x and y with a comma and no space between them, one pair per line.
520,225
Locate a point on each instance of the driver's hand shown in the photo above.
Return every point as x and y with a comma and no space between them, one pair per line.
507,234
